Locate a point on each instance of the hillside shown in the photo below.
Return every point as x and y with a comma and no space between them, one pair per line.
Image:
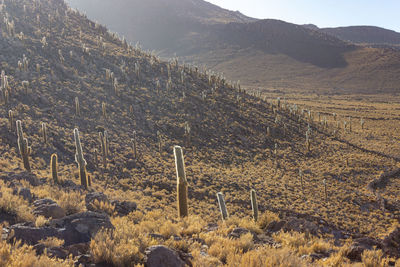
365,35
277,55
66,78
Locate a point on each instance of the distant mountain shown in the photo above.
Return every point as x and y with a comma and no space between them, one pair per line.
369,35
262,53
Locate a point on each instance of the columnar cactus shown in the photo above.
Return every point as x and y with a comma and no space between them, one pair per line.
103,109
77,107
222,206
301,180
11,119
325,190
103,145
96,160
350,124
80,160
134,145
182,185
254,204
308,143
25,85
159,137
53,167
23,147
362,123
187,132
44,132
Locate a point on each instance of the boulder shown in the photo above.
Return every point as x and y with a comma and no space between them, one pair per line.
359,245
161,256
91,198
123,208
82,227
48,208
23,192
32,235
17,177
391,243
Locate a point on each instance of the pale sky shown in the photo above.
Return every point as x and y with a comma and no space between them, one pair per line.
323,13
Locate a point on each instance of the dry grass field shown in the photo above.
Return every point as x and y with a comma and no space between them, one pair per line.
317,205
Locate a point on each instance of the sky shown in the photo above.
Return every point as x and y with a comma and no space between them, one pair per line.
323,13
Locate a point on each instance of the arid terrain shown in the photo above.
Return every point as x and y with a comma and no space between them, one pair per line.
326,185
265,53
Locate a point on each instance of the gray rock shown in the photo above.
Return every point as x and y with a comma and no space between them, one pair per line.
31,235
359,245
48,208
24,192
82,227
123,208
161,256
91,198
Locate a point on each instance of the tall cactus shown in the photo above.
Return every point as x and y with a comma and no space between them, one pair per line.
103,145
77,107
80,160
53,167
134,144
103,110
159,137
182,186
254,204
222,206
23,147
11,119
44,132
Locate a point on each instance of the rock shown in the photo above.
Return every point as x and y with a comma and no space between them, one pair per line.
300,225
82,227
48,208
83,260
32,235
238,232
91,198
359,245
266,240
78,249
123,208
391,243
212,227
54,252
275,226
16,177
24,192
161,256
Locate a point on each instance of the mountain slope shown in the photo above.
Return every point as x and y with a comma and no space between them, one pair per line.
277,55
365,35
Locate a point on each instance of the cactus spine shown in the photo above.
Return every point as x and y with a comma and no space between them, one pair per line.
222,206
23,147
80,160
53,167
182,186
254,204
